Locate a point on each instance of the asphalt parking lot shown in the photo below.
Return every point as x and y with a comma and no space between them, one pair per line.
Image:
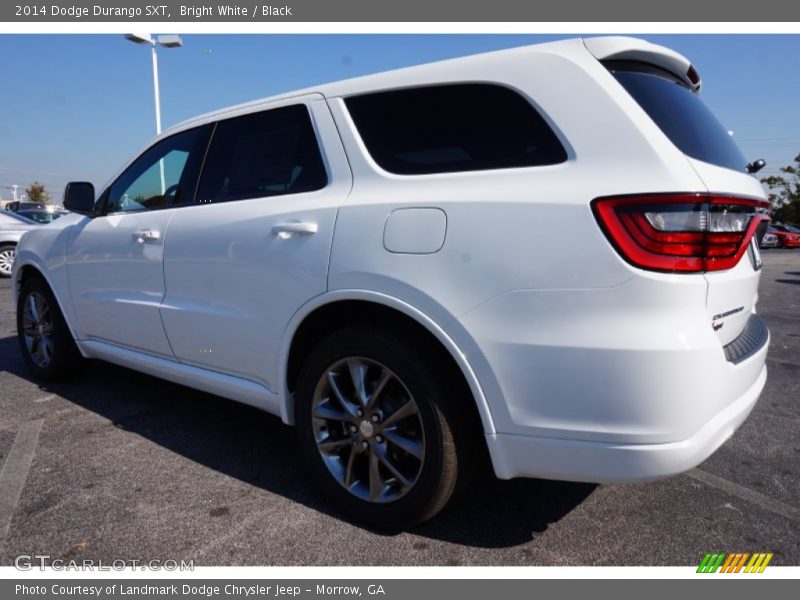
125,466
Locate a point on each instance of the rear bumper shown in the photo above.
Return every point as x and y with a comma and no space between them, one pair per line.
600,462
621,384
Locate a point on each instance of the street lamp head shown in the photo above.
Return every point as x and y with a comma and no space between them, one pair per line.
139,38
170,41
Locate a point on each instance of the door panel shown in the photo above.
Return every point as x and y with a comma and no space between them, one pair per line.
230,297
256,245
117,282
115,261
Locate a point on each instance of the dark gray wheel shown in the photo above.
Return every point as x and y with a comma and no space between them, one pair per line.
7,254
378,425
37,329
45,341
368,429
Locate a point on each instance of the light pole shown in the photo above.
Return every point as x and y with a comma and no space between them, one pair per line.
168,41
13,187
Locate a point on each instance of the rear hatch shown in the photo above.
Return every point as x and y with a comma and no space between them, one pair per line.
666,86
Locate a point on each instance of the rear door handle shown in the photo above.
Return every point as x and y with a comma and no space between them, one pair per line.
146,235
284,230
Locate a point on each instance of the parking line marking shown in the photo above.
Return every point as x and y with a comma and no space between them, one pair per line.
745,493
15,472
243,525
45,398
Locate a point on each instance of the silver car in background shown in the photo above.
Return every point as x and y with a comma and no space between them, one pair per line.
12,226
770,240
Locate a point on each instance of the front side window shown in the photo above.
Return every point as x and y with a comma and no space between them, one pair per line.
269,153
161,177
450,128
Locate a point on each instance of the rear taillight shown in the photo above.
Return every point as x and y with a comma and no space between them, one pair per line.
686,233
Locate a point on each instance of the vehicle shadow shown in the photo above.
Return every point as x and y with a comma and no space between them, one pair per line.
256,448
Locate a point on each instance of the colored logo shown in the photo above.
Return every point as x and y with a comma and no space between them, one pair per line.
737,562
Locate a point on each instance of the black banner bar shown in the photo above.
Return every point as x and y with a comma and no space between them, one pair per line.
389,589
463,11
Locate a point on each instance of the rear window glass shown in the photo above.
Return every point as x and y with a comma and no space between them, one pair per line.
680,113
269,153
463,127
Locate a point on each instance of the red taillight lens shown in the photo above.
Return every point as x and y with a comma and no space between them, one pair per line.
685,233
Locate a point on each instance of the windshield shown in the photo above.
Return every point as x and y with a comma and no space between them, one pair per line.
679,113
40,216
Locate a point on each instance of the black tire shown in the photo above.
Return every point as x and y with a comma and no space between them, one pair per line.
437,412
5,265
65,358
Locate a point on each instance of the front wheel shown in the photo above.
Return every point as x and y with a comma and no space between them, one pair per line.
44,339
378,427
7,254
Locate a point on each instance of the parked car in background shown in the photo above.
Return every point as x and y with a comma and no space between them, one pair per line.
788,236
17,205
42,215
12,226
770,240
373,261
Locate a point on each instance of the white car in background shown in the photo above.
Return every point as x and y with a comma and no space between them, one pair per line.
12,226
381,263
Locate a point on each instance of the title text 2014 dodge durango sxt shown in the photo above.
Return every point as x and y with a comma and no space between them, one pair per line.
380,262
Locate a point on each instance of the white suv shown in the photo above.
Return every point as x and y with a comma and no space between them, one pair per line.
547,253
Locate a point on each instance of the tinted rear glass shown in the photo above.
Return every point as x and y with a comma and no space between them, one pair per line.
268,153
464,127
680,113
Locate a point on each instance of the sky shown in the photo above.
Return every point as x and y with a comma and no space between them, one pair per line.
76,107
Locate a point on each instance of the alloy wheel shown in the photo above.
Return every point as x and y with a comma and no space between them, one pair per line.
368,430
37,328
7,261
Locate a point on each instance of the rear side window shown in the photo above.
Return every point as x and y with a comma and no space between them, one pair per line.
462,127
269,153
680,113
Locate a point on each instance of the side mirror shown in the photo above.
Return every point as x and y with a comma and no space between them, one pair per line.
79,198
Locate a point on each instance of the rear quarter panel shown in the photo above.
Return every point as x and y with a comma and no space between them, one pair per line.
515,229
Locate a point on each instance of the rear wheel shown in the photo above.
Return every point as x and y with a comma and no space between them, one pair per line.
378,428
7,254
44,339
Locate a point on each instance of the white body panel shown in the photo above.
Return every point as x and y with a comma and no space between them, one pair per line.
230,297
581,366
116,279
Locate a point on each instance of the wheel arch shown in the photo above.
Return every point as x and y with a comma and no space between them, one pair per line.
313,320
30,269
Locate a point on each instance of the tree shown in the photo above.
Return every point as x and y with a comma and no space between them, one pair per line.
785,193
37,193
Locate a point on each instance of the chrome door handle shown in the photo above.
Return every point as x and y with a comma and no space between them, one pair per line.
146,235
284,230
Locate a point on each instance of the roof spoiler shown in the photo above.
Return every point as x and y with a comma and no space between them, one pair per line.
627,48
